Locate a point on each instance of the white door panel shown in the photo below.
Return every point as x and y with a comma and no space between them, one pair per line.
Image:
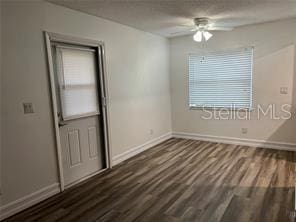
74,147
82,147
93,141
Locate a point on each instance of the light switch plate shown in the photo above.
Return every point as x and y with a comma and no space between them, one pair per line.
284,90
28,108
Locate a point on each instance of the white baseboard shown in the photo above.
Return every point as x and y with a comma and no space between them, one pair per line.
237,141
135,150
28,201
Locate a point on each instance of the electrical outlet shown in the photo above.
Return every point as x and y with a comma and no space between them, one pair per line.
28,108
283,90
244,130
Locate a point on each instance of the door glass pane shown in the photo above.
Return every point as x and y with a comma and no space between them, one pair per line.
77,83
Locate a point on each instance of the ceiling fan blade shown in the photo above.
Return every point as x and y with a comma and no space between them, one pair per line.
184,31
220,28
181,33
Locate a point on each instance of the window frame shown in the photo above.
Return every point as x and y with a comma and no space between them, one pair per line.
61,83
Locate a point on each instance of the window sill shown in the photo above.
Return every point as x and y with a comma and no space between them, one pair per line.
221,109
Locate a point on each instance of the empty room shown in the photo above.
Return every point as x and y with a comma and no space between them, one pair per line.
146,110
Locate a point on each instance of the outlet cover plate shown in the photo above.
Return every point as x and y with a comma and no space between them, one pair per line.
244,130
284,90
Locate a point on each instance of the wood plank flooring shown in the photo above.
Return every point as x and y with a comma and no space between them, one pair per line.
182,180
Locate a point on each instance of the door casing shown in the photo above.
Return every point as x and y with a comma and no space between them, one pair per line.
100,48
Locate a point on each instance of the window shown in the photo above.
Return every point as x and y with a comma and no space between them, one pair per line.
77,83
221,79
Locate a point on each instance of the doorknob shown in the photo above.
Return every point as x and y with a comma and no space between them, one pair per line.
62,124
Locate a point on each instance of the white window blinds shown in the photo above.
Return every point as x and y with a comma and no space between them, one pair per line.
77,83
221,79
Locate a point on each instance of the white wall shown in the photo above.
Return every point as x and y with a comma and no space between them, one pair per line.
274,66
138,78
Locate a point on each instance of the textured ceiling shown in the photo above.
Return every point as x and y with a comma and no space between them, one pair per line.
164,17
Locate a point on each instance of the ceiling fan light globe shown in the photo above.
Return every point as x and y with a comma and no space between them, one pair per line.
197,36
207,35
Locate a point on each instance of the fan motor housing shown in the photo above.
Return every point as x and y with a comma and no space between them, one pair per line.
201,21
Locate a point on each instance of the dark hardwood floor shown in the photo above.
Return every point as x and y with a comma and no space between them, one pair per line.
182,180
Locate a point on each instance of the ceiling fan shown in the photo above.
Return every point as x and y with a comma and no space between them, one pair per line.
202,26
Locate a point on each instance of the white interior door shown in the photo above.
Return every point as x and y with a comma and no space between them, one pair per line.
80,120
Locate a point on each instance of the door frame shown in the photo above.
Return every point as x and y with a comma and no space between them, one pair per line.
100,49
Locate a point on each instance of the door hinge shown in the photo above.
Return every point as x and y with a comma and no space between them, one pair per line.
104,101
